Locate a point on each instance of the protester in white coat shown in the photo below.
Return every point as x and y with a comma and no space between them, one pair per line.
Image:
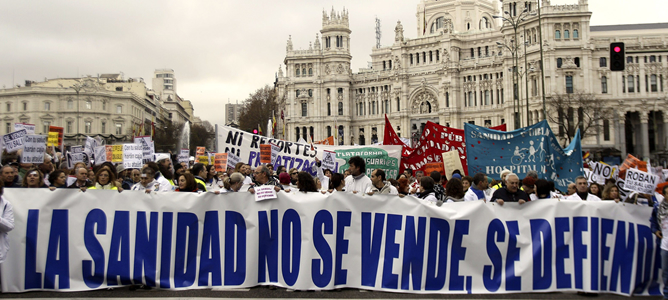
582,191
6,225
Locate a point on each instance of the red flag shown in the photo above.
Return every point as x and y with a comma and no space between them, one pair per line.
424,17
392,138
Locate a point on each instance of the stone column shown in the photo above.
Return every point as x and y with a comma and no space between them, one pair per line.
621,133
644,133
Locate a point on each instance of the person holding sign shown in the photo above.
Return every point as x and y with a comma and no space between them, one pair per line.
187,183
357,181
582,191
263,177
104,180
147,182
511,192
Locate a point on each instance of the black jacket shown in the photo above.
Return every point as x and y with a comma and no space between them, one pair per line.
507,196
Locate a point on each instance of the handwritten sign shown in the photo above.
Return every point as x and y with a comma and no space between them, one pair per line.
14,141
100,153
33,151
265,192
265,153
30,128
148,148
132,156
184,155
430,167
233,159
328,161
641,182
220,162
203,159
117,153
451,162
275,149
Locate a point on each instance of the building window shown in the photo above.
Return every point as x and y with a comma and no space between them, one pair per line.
604,85
471,103
486,97
559,62
577,61
638,83
87,127
661,81
47,106
398,104
439,58
45,126
89,104
631,84
340,108
603,62
373,107
557,34
575,33
68,128
310,93
472,53
606,130
447,99
310,71
329,131
170,116
653,83
629,59
387,106
652,58
104,127
119,109
70,104
569,84
119,128
623,84
9,107
411,58
566,34
501,96
304,109
8,127
104,105
25,106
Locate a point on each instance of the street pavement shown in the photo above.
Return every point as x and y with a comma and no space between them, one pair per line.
262,292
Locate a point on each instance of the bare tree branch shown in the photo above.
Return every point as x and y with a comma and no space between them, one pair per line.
578,110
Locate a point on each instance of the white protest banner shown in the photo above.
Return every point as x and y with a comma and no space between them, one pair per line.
148,148
275,149
265,192
184,156
451,162
328,161
300,156
14,141
30,128
34,149
341,240
100,153
641,182
132,156
73,158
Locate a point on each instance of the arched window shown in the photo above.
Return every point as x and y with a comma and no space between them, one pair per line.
604,85
398,104
484,23
603,62
304,133
310,71
575,34
304,71
329,131
652,58
304,109
559,62
310,93
340,108
631,84
438,24
629,59
70,104
89,104
566,34
486,97
387,106
557,34
653,84
297,71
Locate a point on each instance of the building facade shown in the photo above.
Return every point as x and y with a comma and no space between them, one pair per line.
108,106
462,67
232,112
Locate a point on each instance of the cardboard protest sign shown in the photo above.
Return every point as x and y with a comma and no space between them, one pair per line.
203,159
265,192
148,148
100,153
232,159
430,167
451,162
14,141
132,156
53,132
275,149
220,162
641,182
34,149
184,156
265,153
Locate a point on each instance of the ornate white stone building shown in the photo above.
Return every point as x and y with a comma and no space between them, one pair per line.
455,71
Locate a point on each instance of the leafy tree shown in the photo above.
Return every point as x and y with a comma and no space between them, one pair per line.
202,135
577,111
257,109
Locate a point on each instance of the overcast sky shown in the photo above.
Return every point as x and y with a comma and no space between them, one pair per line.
219,50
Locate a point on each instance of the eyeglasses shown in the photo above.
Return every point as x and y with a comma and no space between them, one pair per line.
294,173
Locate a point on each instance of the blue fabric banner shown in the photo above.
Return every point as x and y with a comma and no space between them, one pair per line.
529,148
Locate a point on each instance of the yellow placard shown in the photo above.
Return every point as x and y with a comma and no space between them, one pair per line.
52,139
117,153
203,160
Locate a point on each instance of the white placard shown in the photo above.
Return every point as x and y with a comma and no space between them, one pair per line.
184,155
265,192
232,159
30,128
641,182
14,141
34,149
100,154
451,162
132,156
275,149
73,158
328,160
324,183
148,148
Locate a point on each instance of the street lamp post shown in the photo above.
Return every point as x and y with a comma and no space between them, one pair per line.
526,68
514,21
542,75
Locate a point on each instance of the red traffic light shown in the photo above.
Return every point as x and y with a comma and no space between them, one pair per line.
618,49
254,131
